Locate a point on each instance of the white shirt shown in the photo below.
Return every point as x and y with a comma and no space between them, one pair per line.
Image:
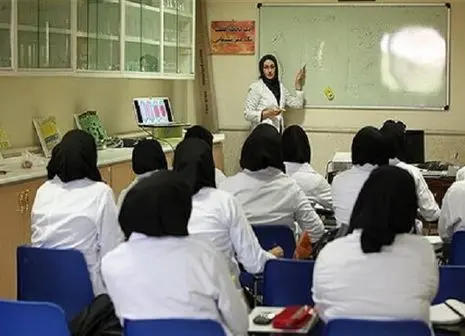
124,192
398,283
269,196
218,218
163,278
313,184
452,217
345,189
260,97
79,215
219,176
427,206
460,176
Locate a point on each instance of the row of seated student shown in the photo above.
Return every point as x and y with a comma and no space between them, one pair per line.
173,246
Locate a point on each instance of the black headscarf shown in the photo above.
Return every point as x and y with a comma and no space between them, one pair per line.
159,205
386,206
193,158
272,84
200,132
369,146
148,156
296,146
74,158
262,149
394,134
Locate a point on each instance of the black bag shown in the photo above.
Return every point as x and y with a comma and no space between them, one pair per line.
97,319
329,236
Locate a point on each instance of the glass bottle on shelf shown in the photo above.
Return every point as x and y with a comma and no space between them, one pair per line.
44,34
98,35
142,36
5,28
178,30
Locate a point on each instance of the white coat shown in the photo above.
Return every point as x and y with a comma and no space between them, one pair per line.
81,215
269,196
173,277
398,283
218,218
260,97
452,217
313,184
427,206
345,189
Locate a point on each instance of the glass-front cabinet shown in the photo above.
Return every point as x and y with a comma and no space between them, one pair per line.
44,34
127,38
5,34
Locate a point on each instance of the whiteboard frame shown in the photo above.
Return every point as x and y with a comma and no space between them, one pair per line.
448,6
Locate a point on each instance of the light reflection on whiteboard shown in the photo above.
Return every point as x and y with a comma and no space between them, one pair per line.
413,59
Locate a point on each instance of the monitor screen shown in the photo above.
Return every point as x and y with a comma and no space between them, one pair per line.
415,146
152,111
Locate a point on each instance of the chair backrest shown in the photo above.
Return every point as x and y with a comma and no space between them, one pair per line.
52,275
457,249
354,327
288,282
18,318
451,283
271,235
172,327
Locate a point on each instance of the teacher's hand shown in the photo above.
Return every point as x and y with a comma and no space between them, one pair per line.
270,112
300,79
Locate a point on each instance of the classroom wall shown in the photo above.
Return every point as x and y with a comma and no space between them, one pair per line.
21,98
332,130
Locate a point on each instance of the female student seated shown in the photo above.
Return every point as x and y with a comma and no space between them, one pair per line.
452,217
297,154
379,271
74,209
202,133
216,215
162,272
147,157
394,133
266,193
368,152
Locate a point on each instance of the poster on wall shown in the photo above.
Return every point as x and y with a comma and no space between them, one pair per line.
233,37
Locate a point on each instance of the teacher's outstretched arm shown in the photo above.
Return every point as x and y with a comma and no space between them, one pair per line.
296,101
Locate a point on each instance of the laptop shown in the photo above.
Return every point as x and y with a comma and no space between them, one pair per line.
154,112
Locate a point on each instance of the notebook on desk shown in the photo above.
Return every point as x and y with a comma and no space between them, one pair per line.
451,312
154,112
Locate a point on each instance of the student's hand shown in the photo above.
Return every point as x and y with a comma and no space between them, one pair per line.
277,252
300,79
270,112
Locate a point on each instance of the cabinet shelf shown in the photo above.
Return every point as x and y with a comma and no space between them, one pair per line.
142,6
98,38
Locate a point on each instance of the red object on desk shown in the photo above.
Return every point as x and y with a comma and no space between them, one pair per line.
293,317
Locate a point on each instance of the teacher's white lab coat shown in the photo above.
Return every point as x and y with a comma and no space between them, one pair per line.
260,97
79,215
173,277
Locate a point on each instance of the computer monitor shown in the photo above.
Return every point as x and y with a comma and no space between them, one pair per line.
153,111
415,146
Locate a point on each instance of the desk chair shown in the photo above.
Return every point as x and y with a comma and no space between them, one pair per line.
354,327
19,318
269,236
457,249
288,282
451,284
172,327
52,275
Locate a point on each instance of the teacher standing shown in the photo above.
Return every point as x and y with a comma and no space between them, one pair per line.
267,97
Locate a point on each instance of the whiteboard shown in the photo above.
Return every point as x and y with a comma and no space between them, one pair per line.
362,56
